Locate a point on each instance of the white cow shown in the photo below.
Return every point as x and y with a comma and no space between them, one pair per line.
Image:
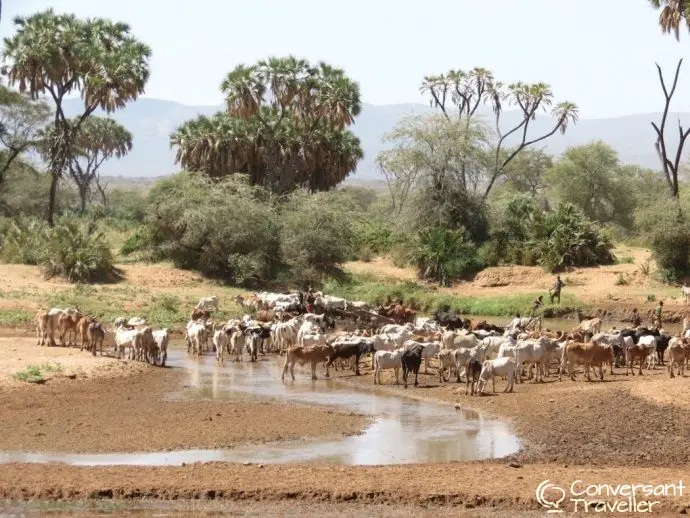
498,367
220,342
162,338
387,360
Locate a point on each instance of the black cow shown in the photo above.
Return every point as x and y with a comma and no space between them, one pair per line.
348,350
411,360
448,319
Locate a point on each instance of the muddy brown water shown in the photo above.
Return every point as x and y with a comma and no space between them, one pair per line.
402,430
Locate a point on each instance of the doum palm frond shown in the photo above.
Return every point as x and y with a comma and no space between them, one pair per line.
673,14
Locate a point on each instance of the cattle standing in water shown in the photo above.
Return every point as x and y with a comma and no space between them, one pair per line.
411,361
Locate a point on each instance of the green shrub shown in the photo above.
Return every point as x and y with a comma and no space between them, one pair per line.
670,245
374,233
365,254
73,248
315,234
565,237
78,251
444,255
23,240
225,229
625,260
32,374
398,255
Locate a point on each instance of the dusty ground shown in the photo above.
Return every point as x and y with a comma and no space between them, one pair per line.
618,431
19,351
627,429
121,406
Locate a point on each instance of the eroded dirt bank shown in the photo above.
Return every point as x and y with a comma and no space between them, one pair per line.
104,413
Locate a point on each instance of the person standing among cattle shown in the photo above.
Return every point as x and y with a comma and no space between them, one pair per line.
555,292
538,303
636,319
310,299
657,314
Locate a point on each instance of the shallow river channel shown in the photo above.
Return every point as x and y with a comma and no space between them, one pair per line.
402,430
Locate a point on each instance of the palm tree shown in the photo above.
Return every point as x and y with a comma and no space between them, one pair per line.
285,126
673,14
58,54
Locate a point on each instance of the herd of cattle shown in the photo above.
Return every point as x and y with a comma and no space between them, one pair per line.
393,335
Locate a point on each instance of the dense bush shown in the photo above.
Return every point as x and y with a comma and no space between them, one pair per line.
664,226
23,240
73,248
565,237
444,255
225,229
315,234
78,250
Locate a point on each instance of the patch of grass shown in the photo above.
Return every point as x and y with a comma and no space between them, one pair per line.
621,280
32,374
651,297
15,317
645,267
625,260
50,367
425,299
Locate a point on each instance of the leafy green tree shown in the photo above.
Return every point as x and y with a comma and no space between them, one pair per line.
225,229
316,234
433,171
285,127
21,120
459,93
526,172
591,178
59,54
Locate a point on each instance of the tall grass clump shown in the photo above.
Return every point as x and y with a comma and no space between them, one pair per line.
22,240
77,250
73,248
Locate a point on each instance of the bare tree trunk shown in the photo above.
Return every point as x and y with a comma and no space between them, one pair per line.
52,198
82,195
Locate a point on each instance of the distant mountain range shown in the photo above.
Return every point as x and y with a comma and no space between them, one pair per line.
152,120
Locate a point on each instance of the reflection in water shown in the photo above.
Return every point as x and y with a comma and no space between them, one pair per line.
404,431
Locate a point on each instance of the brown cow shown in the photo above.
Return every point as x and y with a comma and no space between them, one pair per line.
637,352
313,354
82,331
249,302
67,325
590,354
42,326
266,315
200,314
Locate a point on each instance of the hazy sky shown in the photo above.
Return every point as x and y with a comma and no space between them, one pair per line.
597,53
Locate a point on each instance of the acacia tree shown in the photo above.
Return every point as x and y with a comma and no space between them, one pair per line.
284,126
21,121
98,140
461,94
58,54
